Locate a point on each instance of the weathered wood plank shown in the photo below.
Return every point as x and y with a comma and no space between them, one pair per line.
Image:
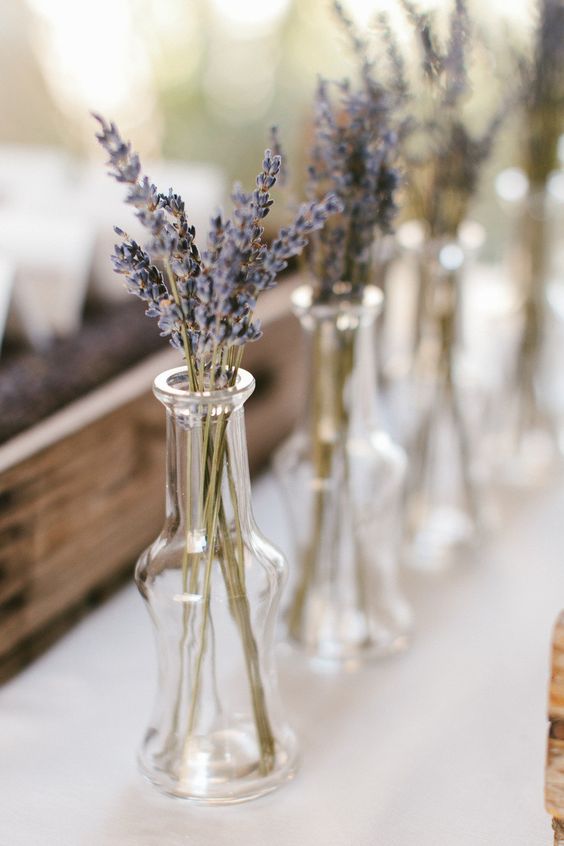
554,771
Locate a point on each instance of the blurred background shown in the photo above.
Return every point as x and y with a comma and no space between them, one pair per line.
192,79
196,85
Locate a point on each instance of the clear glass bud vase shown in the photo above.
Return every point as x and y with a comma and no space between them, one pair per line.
212,584
526,441
343,478
444,512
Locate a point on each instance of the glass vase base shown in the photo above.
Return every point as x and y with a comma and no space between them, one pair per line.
446,535
222,768
335,639
333,658
535,461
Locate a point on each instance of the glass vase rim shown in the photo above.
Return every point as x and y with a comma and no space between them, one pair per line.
414,237
530,190
169,393
370,300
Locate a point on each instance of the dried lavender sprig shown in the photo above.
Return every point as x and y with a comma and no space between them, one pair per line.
454,60
204,302
170,242
143,279
398,79
445,67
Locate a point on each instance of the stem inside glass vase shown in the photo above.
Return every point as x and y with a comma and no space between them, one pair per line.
443,505
215,462
533,240
333,360
343,480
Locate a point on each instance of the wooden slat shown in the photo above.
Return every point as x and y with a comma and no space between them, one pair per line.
80,541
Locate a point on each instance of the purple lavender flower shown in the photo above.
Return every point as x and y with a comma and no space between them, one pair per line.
205,301
356,133
353,155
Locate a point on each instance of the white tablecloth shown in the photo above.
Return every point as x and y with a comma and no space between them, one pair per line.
443,745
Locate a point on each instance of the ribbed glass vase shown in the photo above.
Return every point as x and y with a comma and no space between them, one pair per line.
342,478
212,584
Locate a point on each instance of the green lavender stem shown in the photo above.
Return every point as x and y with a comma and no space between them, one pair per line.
526,366
220,543
239,605
328,402
445,399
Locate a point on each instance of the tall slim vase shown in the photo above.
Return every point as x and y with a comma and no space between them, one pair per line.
444,505
526,441
342,478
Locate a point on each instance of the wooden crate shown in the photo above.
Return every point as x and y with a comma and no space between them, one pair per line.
81,494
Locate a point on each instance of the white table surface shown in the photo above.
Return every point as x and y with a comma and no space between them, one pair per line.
443,745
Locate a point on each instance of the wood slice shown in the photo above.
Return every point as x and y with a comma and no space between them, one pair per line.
558,828
556,689
554,773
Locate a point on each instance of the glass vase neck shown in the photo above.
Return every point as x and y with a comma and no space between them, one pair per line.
192,407
447,250
205,435
342,308
342,380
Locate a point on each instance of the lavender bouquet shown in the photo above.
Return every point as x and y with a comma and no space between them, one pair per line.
354,154
204,302
210,743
